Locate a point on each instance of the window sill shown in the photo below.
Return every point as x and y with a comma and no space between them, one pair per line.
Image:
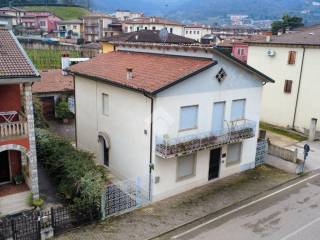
232,164
187,129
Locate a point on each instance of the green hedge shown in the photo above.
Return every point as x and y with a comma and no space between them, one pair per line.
79,180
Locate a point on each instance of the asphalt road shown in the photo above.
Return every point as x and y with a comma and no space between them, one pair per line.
289,213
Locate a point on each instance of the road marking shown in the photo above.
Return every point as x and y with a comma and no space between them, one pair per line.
242,207
300,229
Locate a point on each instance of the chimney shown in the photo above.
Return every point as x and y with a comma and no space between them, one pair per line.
129,74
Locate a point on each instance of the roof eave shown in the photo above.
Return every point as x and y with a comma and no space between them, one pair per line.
18,80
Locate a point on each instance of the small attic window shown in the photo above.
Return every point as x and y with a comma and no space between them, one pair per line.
221,75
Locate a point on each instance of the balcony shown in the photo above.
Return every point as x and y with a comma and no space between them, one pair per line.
14,125
232,132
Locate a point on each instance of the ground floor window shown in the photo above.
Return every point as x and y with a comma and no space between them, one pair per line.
234,154
186,166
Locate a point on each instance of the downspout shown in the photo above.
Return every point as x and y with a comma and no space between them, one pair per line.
151,145
298,93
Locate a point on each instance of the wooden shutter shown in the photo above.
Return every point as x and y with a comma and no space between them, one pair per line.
292,57
288,86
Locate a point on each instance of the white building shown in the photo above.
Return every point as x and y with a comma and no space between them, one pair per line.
153,23
182,116
197,31
292,60
70,29
124,15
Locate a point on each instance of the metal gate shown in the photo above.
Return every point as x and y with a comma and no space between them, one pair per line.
262,150
124,196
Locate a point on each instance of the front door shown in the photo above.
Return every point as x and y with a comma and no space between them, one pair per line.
214,165
4,167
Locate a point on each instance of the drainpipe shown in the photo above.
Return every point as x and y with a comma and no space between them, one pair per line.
151,143
298,93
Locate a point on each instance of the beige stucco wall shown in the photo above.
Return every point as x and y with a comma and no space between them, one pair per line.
277,106
125,125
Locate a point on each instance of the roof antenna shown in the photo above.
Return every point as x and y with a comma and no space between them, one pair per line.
163,34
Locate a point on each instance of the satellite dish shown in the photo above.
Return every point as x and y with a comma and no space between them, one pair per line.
164,35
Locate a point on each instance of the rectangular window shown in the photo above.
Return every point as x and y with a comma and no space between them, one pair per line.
234,154
292,57
238,109
186,166
105,104
288,86
188,117
171,30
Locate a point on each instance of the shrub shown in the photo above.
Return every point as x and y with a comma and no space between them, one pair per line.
79,180
39,120
62,109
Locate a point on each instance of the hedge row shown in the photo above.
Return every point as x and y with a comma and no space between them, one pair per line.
79,180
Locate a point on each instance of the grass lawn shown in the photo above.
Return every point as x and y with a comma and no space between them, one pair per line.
65,13
282,131
48,59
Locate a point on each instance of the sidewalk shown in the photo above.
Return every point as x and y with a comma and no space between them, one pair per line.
170,213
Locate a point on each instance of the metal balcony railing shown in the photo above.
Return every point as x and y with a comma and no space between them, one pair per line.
232,132
13,128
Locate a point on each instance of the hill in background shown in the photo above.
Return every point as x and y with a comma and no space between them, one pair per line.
65,13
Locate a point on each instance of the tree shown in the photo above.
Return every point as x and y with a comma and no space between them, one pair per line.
287,22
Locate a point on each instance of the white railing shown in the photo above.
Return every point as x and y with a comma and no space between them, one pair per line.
13,129
233,131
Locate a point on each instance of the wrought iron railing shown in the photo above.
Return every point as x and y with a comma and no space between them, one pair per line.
232,132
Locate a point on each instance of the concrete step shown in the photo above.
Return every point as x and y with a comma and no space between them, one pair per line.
14,203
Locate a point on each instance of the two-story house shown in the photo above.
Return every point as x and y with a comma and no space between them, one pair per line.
18,158
181,116
72,29
197,31
292,59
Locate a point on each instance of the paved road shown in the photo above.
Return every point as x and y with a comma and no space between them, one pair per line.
290,213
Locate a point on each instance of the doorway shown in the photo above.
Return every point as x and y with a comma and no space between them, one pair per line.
105,151
214,164
4,167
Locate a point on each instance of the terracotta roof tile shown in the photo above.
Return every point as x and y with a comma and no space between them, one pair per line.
53,81
14,62
151,72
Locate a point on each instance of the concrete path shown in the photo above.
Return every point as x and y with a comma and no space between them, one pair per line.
14,203
289,213
170,213
280,140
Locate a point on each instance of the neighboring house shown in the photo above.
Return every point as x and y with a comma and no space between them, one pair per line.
153,23
40,21
6,21
210,39
124,15
94,26
240,51
53,86
16,13
70,29
292,60
197,31
17,137
144,36
179,115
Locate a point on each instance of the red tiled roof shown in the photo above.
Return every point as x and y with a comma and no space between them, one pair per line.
53,81
151,72
14,62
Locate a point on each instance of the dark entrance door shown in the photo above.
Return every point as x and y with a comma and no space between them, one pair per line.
214,165
48,107
4,167
106,154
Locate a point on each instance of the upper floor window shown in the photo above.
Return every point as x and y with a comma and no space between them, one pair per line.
153,28
186,32
288,86
74,27
105,104
198,32
42,23
292,57
171,30
138,28
188,117
145,28
240,51
238,109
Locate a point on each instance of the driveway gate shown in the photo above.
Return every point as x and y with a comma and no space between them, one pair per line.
262,150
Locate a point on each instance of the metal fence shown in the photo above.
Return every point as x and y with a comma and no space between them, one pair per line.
124,196
262,150
32,225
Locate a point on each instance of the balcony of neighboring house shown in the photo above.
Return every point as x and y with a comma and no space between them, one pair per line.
13,122
232,132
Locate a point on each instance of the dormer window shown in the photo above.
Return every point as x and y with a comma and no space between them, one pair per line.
221,75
